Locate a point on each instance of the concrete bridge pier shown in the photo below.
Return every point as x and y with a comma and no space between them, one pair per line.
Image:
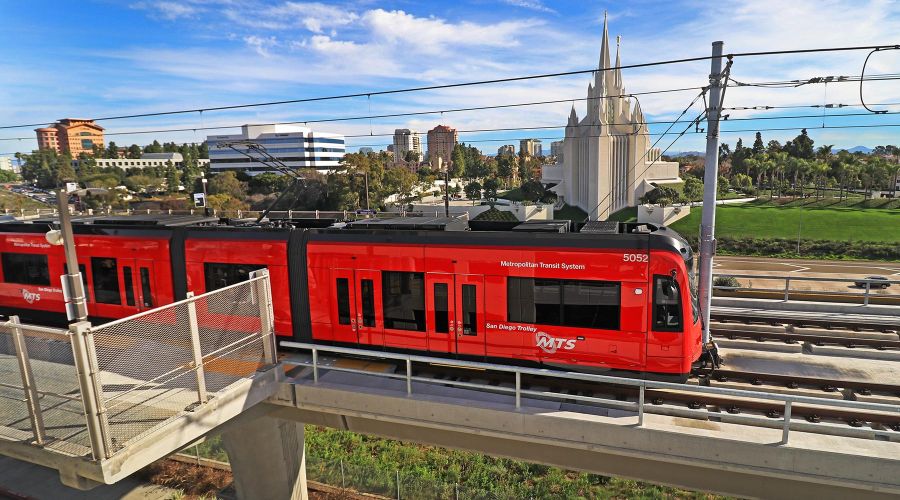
268,457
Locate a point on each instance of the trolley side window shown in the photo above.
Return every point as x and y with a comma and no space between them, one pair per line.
441,308
343,301
575,303
129,285
469,310
667,314
367,291
106,280
146,290
403,297
219,275
26,269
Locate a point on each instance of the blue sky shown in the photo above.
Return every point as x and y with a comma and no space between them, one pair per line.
105,57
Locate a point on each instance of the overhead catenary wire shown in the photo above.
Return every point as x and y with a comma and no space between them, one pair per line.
539,127
863,74
467,84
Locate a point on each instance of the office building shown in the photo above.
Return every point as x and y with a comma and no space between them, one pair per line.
146,160
530,147
406,140
70,135
507,149
297,147
441,141
556,150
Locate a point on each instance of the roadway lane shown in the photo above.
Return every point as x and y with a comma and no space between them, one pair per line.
808,268
818,268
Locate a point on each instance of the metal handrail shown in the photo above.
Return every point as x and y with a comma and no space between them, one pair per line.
806,278
787,285
188,300
786,399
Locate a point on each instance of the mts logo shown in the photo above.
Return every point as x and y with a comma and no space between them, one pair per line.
551,344
30,297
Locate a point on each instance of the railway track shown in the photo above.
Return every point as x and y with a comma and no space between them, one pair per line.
843,338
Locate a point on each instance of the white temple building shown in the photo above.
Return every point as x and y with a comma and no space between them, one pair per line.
607,160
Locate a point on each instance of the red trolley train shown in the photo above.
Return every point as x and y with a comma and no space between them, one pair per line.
609,297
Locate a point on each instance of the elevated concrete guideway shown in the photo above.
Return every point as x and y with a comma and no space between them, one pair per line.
718,456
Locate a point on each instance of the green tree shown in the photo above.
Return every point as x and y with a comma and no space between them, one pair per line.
758,146
172,177
506,167
112,151
401,181
458,161
155,147
134,152
227,183
491,185
722,186
473,190
693,189
64,171
224,201
532,190
268,183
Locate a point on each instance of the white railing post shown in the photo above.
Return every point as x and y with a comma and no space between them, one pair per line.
408,377
315,354
91,393
785,431
866,297
641,406
266,314
518,390
32,399
787,289
196,350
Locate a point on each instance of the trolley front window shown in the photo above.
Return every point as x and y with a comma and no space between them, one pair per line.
667,314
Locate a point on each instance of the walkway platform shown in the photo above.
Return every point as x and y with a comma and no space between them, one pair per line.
98,403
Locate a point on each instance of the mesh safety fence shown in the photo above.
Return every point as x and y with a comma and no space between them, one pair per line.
56,408
159,365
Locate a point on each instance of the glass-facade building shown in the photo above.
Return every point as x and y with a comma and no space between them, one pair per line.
297,147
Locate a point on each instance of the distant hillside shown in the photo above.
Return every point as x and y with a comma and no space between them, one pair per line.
858,149
679,154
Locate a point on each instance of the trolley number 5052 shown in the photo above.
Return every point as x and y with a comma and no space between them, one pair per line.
635,257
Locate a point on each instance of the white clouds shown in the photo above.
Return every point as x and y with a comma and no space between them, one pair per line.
261,45
314,16
432,34
169,11
530,4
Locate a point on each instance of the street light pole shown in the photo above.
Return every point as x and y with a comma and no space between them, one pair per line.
73,275
203,181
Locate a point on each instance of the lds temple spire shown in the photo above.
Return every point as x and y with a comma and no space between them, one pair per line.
606,162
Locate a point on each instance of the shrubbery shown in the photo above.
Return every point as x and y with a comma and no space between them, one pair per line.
781,247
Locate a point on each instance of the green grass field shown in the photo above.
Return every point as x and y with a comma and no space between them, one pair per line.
834,224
